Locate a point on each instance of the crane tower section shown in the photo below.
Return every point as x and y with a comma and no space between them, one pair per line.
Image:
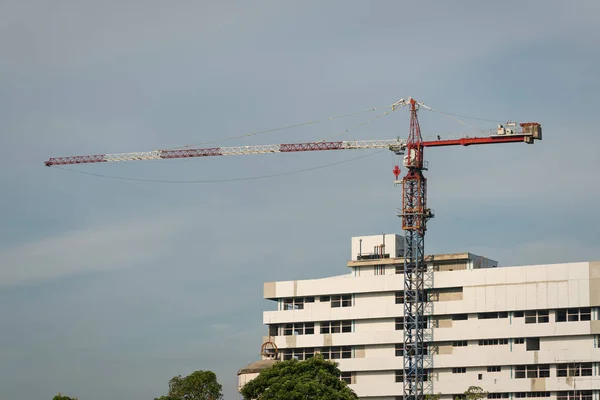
414,220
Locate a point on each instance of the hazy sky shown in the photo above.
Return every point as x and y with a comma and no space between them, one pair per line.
108,287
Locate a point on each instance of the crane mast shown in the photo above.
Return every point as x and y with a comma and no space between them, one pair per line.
414,216
414,212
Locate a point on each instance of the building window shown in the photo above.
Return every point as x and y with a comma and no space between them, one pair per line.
336,326
497,395
273,329
492,315
532,344
532,371
378,269
307,328
399,375
336,352
295,303
399,349
459,370
299,354
519,340
459,343
347,377
460,317
521,395
574,369
400,297
492,342
344,300
540,317
400,323
494,368
518,314
324,299
399,269
574,395
573,314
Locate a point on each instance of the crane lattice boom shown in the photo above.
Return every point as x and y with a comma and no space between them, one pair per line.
395,145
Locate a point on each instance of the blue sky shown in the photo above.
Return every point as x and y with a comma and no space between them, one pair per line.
108,288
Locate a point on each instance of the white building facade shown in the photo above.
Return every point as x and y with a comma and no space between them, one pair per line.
527,331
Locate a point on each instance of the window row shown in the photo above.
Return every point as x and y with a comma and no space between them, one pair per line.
303,328
532,371
541,370
573,314
574,395
530,316
297,303
493,342
329,353
308,328
533,316
522,395
574,369
488,342
543,316
338,300
562,315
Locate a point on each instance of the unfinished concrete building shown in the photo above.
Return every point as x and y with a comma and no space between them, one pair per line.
526,331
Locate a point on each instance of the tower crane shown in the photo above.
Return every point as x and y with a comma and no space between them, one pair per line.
414,212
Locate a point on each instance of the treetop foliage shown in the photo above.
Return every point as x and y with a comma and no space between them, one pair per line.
61,397
315,379
199,385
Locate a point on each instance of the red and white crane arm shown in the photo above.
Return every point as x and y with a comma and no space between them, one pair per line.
530,131
395,145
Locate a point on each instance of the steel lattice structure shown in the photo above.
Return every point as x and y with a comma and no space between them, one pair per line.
414,212
395,145
414,216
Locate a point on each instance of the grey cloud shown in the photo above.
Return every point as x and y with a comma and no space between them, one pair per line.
100,247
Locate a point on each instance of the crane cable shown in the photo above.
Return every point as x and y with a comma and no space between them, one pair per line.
252,134
354,126
220,180
454,117
283,127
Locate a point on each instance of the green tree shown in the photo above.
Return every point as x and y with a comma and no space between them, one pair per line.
315,379
199,385
61,397
475,393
